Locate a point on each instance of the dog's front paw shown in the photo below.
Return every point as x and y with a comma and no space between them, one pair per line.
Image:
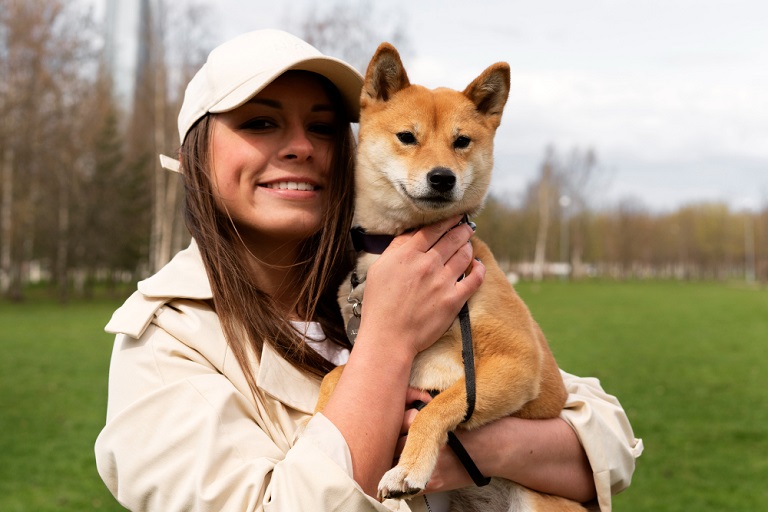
401,483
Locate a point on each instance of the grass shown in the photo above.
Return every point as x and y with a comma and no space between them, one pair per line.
687,362
53,376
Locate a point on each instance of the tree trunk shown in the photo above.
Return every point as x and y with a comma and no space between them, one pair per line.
543,229
6,223
62,242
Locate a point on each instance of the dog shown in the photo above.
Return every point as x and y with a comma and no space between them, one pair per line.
425,155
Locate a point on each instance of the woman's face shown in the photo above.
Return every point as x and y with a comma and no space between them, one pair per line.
271,160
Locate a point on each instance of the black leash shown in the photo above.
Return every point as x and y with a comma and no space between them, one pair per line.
468,356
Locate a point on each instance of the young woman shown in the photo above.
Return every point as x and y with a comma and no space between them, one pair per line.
219,356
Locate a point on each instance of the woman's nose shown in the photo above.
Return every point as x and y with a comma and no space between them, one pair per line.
298,146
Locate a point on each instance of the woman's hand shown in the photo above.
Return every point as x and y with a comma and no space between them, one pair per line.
412,291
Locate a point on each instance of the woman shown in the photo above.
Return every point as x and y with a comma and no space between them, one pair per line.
218,357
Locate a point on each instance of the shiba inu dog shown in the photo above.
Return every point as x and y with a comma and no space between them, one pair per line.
425,155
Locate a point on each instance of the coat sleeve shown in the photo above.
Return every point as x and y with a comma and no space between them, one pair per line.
180,436
605,433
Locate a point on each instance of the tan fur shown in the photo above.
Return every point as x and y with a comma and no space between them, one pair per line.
516,373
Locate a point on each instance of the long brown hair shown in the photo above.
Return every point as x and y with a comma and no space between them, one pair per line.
249,317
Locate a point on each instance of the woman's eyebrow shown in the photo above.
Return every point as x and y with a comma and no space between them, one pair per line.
323,107
319,107
267,102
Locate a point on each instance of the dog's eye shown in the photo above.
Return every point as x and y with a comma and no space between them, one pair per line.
461,142
406,138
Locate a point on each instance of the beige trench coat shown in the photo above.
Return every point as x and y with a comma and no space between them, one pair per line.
184,432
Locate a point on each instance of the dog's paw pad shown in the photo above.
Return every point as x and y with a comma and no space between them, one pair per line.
396,484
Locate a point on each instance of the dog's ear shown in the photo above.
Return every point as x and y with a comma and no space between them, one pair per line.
490,90
385,75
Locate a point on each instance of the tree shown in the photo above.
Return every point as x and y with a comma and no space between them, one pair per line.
546,189
579,177
41,94
175,41
351,30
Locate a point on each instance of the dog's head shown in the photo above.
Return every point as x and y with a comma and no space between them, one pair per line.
424,154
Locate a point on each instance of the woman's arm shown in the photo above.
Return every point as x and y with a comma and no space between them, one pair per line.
544,455
181,436
587,453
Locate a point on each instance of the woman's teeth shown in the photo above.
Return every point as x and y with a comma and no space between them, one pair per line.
290,185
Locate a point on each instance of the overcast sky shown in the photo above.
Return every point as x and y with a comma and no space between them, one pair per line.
671,94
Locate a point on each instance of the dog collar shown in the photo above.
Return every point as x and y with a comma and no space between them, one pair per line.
376,243
369,242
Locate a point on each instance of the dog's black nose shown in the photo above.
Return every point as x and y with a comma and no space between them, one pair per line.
441,179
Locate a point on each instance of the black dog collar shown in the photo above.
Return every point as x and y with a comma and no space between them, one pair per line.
375,243
369,242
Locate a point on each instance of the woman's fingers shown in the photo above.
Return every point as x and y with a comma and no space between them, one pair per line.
413,290
455,242
408,418
416,395
425,237
472,280
447,241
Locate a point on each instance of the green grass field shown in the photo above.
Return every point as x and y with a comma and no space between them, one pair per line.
53,376
687,361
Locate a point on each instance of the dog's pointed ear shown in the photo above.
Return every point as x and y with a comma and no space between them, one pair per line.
490,90
385,75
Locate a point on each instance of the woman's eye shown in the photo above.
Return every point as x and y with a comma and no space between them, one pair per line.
323,129
407,138
461,142
258,123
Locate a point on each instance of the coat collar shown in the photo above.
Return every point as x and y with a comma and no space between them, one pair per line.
284,382
184,277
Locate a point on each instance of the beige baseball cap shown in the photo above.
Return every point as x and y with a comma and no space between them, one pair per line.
240,68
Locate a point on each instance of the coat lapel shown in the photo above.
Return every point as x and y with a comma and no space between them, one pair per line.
284,382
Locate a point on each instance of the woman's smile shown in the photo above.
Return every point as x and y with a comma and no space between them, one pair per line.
291,185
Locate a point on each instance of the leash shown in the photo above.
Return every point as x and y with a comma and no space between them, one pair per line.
376,244
468,356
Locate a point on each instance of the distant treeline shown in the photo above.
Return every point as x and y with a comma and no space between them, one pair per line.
706,241
83,201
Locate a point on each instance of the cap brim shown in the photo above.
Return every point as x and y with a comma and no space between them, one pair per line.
347,80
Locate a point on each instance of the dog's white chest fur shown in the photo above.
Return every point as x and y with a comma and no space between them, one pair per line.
437,367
